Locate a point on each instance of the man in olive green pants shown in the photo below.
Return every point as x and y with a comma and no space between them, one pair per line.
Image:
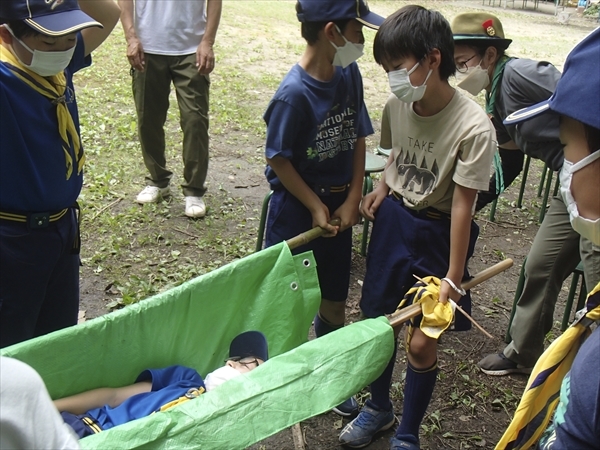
170,41
554,254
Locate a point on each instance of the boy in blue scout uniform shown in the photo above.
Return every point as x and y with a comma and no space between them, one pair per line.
157,390
576,423
317,122
442,147
43,43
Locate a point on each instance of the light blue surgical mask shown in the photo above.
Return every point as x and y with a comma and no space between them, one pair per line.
402,88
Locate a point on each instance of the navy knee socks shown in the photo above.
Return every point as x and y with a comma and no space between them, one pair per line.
418,389
380,388
323,327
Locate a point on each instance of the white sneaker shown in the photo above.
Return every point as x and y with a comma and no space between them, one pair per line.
152,194
195,207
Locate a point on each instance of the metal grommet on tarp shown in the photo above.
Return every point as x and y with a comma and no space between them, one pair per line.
306,262
294,286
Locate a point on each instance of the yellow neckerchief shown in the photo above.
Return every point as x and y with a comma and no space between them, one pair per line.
53,88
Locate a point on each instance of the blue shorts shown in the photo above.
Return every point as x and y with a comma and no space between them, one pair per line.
288,217
83,424
406,242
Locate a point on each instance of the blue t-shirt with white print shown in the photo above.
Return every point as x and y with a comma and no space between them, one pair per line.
315,125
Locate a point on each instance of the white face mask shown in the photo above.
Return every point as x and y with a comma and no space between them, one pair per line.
45,64
402,88
346,55
587,228
473,80
220,376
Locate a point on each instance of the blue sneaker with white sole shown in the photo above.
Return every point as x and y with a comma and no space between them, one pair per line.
360,432
347,409
399,444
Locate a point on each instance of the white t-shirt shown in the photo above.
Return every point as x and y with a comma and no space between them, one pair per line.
432,154
170,27
28,418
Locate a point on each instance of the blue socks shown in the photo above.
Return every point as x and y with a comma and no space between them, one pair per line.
323,327
380,388
418,389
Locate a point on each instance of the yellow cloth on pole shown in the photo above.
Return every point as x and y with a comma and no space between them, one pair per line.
543,387
437,316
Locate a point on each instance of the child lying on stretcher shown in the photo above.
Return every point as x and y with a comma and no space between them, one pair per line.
157,389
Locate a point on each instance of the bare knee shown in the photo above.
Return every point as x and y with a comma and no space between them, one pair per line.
422,350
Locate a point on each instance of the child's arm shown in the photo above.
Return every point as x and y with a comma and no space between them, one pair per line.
96,398
293,182
370,202
460,230
348,212
104,11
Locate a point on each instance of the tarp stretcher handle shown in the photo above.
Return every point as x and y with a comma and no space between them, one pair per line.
307,236
414,310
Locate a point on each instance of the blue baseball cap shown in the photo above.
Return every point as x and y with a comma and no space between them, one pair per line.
49,17
249,343
577,94
331,10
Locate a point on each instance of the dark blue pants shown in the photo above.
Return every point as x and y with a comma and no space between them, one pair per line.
39,279
80,424
405,242
288,217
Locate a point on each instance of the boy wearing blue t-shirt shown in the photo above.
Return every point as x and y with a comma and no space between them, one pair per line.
317,122
42,44
442,148
157,390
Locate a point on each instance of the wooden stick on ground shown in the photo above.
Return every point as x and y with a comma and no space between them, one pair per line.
414,310
298,437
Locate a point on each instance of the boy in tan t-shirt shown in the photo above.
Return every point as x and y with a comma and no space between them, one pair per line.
442,148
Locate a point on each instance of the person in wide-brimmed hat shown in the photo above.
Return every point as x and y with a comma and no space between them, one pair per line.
512,84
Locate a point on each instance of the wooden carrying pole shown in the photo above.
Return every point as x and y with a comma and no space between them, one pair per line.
414,310
307,236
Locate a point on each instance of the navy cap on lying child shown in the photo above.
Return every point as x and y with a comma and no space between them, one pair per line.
49,17
249,343
331,10
577,94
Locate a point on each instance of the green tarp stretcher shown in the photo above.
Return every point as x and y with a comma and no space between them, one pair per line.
193,324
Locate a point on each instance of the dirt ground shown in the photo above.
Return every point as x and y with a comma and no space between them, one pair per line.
469,409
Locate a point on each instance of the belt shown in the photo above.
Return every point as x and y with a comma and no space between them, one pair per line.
93,425
323,189
43,219
428,213
35,220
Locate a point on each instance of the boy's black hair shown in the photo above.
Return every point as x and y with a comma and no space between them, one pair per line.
20,28
415,31
310,30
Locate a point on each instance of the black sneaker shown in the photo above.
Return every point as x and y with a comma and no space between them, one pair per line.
497,365
347,409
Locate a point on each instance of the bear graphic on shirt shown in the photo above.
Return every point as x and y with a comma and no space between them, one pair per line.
416,178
